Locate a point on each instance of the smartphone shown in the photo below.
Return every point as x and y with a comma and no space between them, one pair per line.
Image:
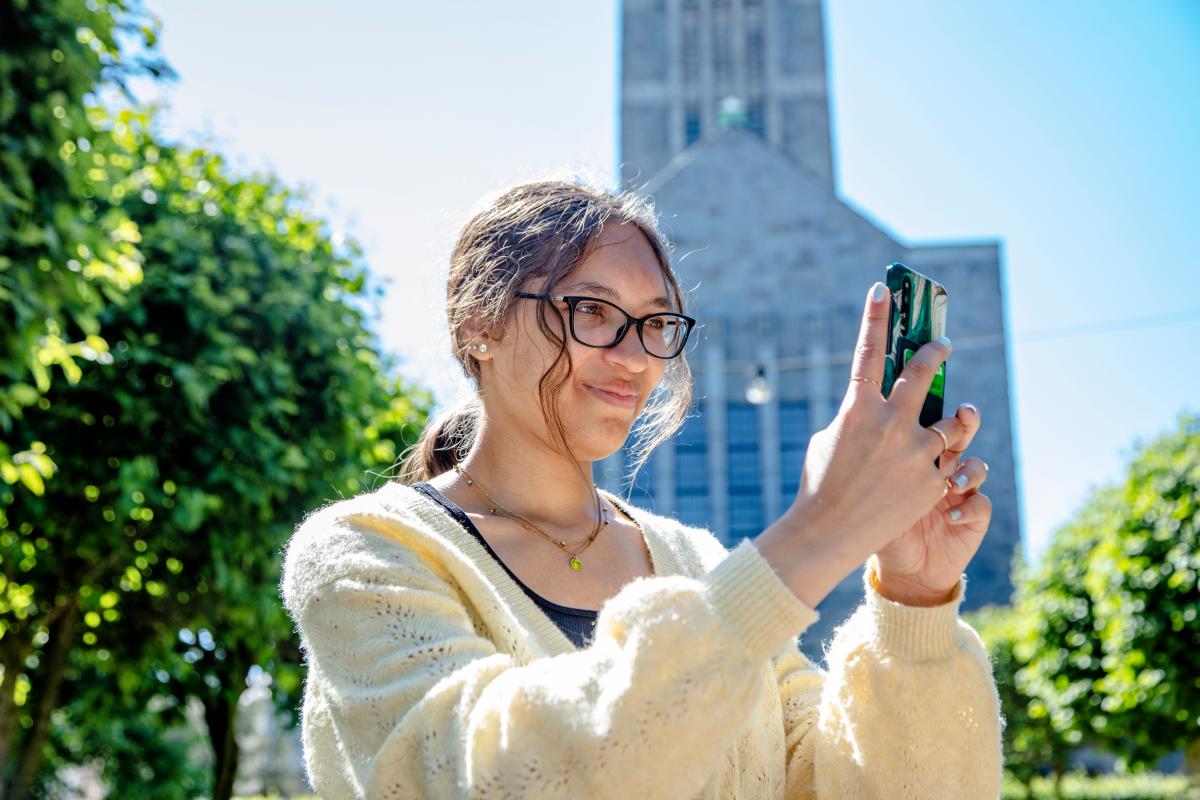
917,316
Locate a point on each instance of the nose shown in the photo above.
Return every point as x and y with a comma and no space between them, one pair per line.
629,352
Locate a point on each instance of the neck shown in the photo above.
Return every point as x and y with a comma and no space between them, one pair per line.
528,478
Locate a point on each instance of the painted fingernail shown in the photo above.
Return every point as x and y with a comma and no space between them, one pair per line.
945,340
878,292
971,408
956,515
961,479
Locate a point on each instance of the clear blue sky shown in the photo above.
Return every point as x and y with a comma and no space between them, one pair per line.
1068,130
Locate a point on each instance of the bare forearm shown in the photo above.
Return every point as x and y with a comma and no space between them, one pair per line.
809,557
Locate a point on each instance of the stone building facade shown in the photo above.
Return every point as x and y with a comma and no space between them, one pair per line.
725,123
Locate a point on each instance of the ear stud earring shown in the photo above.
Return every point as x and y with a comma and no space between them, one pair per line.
480,347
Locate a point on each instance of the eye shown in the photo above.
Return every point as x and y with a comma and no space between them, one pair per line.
658,323
587,308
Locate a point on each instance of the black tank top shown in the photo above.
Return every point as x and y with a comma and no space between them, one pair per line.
577,624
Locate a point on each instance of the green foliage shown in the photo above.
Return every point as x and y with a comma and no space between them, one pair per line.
244,390
1143,578
1114,654
220,382
65,249
1103,787
1059,656
1030,742
136,735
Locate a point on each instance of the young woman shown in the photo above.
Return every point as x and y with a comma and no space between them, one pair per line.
494,625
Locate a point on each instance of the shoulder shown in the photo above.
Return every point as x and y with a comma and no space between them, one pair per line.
703,544
363,537
697,549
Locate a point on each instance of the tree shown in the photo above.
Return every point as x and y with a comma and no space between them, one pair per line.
1030,741
1115,655
117,722
1057,665
245,389
65,251
1142,576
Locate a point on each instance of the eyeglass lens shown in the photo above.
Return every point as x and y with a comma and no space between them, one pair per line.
599,323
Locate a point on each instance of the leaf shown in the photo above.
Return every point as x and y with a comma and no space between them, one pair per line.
24,394
32,479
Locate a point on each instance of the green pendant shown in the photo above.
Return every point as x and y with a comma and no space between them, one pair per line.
576,564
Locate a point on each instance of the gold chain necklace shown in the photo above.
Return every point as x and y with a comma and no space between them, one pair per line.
497,509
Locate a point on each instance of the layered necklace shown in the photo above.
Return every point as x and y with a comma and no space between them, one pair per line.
575,563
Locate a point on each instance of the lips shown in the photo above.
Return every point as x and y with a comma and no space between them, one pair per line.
618,396
622,391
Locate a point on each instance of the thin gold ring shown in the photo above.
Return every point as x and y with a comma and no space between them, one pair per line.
945,441
869,380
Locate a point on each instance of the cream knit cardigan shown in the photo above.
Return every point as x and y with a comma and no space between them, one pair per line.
431,674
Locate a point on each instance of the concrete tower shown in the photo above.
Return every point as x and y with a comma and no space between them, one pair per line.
680,59
776,266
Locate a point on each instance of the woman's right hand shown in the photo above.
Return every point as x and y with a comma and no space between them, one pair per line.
867,476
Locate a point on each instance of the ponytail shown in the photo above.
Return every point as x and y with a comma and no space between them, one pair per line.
444,443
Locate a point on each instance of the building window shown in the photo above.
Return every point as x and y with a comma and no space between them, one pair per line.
643,31
745,477
691,471
691,51
793,441
722,47
755,61
755,115
692,125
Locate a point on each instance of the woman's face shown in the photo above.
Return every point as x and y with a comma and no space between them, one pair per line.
596,425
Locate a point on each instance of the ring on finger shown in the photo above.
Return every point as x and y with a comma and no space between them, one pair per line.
868,380
941,433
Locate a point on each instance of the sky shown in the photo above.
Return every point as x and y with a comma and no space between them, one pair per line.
1068,131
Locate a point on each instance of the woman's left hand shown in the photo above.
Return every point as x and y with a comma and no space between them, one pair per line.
922,566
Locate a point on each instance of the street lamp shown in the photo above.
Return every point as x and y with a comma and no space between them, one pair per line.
758,391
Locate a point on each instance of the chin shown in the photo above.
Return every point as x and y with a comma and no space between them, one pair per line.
600,436
603,428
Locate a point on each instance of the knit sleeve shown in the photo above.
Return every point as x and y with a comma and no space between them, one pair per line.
907,708
421,704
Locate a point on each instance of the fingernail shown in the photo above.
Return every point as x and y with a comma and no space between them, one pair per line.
971,408
956,515
945,340
878,292
961,479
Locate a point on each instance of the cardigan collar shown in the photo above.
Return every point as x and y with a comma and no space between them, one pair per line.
546,632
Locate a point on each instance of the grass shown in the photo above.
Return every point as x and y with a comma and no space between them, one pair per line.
1075,786
1146,786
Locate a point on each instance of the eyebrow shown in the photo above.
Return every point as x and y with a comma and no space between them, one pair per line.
601,289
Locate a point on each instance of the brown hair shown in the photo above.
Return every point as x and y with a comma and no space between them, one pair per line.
541,230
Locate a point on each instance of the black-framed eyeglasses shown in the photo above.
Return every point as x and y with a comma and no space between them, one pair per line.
599,323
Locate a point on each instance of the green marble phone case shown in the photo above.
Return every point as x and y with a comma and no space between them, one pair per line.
917,316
